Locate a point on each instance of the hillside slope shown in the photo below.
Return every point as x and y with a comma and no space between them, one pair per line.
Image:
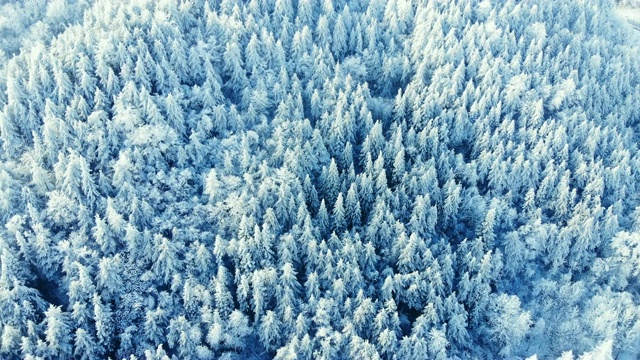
323,179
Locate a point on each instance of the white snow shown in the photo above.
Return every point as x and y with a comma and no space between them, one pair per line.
630,14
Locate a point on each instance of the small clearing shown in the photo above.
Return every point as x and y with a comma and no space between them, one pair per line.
630,14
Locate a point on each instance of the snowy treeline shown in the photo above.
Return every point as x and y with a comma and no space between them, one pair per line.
401,179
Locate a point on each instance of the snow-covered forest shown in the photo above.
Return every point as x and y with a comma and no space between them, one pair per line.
318,179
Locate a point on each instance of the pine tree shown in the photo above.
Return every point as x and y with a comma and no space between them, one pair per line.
212,185
508,323
331,182
84,345
270,330
222,295
58,333
352,207
166,258
174,113
103,323
234,65
307,10
340,37
322,219
109,275
154,326
339,218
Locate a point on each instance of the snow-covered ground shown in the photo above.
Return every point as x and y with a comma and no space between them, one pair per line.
630,14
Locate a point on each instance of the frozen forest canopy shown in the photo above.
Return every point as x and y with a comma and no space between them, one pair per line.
401,179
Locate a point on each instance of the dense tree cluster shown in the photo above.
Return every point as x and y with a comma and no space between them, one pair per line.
26,22
400,179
